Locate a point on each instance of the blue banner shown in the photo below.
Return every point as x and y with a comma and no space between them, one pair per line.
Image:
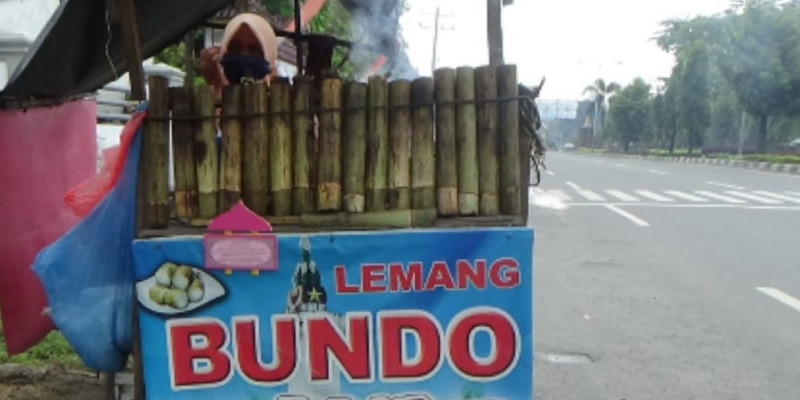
399,315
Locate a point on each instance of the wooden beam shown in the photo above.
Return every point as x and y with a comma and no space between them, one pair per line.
132,47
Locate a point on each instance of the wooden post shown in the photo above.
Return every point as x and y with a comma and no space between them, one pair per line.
400,138
488,175
354,145
510,198
255,166
377,144
444,80
280,146
180,100
466,137
494,29
304,144
132,45
231,160
423,164
329,171
205,147
156,147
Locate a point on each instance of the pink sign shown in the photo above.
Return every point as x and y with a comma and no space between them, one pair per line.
238,239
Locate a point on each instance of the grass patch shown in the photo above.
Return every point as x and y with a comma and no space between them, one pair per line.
770,158
53,349
592,150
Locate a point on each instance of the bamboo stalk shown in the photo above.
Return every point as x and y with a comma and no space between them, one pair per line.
304,144
329,172
180,100
466,138
423,164
156,145
205,147
255,165
280,146
488,175
377,144
354,145
400,138
231,152
510,199
446,157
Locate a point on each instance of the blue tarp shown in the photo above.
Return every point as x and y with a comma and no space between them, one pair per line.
88,275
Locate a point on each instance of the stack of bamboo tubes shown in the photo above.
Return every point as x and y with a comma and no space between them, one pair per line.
374,153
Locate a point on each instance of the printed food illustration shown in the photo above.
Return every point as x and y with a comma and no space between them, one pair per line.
176,286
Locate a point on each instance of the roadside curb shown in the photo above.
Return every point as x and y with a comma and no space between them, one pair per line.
761,166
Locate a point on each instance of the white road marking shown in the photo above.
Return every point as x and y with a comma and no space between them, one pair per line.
574,186
653,196
716,196
636,220
777,196
540,198
657,172
590,195
725,185
781,296
686,196
793,193
559,194
621,195
551,173
699,206
753,197
621,165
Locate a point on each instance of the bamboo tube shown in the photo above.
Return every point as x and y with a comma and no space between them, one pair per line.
304,141
255,165
423,165
231,153
377,144
329,171
205,146
446,157
156,146
280,146
510,198
488,175
466,138
400,138
180,100
354,145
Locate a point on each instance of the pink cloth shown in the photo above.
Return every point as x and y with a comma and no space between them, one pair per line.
43,152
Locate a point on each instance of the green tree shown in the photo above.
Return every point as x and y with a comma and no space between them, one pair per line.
600,92
694,112
630,114
665,114
761,60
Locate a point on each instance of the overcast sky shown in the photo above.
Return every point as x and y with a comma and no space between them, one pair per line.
571,42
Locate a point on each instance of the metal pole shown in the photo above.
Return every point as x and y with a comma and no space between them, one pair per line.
741,131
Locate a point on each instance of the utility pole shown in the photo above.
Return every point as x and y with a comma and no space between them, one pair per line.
494,25
435,38
437,18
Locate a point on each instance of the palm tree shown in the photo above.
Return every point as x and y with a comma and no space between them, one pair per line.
600,92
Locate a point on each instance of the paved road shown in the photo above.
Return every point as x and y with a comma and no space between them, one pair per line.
665,281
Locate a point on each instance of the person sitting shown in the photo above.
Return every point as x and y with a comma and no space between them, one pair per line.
248,51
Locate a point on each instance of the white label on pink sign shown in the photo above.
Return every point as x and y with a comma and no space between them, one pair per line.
241,252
